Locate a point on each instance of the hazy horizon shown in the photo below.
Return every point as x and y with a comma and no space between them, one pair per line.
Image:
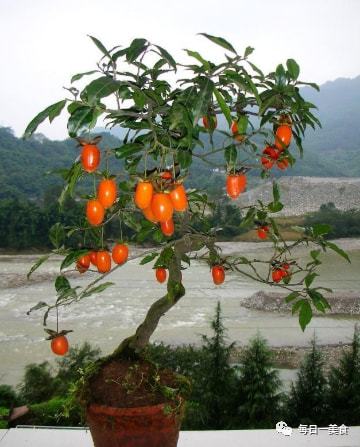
47,41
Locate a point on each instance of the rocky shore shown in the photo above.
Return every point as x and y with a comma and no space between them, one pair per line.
342,303
291,357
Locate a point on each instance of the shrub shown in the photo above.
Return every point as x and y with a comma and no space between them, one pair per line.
344,383
306,403
258,388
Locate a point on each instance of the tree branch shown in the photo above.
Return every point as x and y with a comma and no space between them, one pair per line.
134,345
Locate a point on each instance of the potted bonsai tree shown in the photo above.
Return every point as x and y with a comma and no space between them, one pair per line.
226,113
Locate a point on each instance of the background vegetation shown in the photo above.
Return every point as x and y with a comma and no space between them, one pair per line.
224,396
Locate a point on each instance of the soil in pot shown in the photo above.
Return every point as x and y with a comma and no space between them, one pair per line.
133,404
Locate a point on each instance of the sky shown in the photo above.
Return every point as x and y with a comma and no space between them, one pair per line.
44,42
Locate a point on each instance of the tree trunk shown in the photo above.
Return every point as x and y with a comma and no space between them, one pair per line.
135,344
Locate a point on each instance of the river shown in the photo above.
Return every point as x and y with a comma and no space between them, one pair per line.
105,319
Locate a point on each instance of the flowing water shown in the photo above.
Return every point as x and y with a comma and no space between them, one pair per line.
105,319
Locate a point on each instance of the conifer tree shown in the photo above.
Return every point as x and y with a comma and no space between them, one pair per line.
344,386
258,388
306,403
215,384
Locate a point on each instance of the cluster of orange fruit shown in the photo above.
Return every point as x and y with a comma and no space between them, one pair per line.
107,190
210,123
275,154
159,206
280,272
101,259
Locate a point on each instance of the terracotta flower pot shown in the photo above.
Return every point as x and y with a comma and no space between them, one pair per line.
133,427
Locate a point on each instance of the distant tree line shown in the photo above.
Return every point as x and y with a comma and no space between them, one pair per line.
343,223
25,224
224,395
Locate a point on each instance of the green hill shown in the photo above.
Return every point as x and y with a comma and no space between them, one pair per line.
333,151
24,163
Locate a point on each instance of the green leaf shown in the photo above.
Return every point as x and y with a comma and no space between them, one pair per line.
253,88
203,98
198,57
136,47
338,250
167,56
57,235
184,157
126,150
293,68
315,254
292,296
100,46
100,88
310,84
50,112
296,306
276,192
275,207
280,75
309,279
37,264
158,236
248,51
164,258
62,283
242,124
249,217
320,229
84,118
72,257
98,289
72,176
305,314
37,306
148,258
220,41
230,154
319,300
80,75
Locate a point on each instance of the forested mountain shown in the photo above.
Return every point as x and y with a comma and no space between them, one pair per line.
27,166
333,151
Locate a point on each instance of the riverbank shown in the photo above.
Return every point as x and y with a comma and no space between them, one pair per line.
105,319
291,357
342,303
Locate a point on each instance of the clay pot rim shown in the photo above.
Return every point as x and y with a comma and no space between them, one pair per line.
124,411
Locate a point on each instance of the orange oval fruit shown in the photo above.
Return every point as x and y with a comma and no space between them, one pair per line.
277,275
179,198
283,137
270,155
93,255
210,122
60,345
90,157
160,274
162,206
167,227
218,274
83,263
235,185
103,261
120,253
262,232
107,192
143,194
282,164
149,215
95,212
